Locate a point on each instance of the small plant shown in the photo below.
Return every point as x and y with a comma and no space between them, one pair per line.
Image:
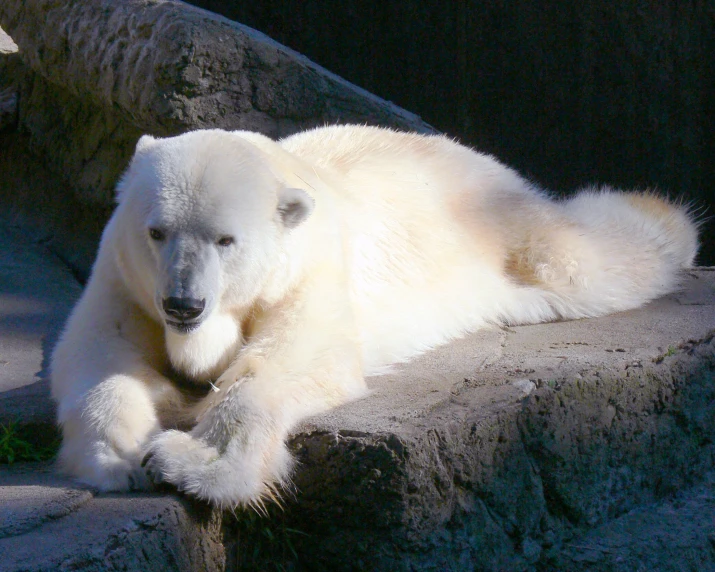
267,540
14,446
672,350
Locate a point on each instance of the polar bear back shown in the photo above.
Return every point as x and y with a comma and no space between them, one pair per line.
441,240
424,219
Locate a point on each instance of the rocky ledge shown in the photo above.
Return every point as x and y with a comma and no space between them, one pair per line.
582,445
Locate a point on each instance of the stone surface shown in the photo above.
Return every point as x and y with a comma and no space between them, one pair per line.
7,46
46,523
37,292
171,67
8,96
673,536
90,77
496,450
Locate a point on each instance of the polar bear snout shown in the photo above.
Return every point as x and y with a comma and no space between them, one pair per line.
182,313
183,309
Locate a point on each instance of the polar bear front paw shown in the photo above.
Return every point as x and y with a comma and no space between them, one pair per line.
100,466
177,458
238,476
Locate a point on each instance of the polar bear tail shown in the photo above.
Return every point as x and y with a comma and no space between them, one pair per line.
611,251
666,228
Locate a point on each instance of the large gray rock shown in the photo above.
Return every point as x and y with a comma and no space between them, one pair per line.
171,67
48,524
499,450
673,535
36,294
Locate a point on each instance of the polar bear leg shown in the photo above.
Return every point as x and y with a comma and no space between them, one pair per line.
248,462
236,454
105,436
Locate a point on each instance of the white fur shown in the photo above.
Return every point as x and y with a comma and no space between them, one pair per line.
354,247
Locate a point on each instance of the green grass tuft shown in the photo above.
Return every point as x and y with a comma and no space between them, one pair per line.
15,447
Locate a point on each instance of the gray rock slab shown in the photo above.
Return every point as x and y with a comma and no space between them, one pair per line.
495,450
7,46
172,67
32,494
671,536
37,291
47,523
512,362
89,78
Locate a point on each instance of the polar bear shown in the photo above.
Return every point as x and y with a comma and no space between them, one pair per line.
243,284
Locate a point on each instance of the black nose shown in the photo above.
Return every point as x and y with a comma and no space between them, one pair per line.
183,308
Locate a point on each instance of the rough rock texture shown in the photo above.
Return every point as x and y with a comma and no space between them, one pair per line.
91,77
499,451
169,66
674,535
46,523
37,292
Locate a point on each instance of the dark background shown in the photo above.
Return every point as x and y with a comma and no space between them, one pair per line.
569,93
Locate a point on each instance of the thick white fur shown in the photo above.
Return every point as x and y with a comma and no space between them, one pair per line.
412,240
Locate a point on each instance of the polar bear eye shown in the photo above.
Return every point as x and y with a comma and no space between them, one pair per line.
156,234
225,241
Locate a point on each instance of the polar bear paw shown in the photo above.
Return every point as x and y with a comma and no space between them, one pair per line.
100,466
228,479
178,458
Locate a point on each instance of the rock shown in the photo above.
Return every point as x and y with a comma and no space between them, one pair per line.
8,109
171,67
449,464
7,46
47,523
9,96
673,535
37,293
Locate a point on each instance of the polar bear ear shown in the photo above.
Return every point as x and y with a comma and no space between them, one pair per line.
145,141
294,206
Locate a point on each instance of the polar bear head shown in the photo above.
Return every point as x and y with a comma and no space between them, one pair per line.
208,217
